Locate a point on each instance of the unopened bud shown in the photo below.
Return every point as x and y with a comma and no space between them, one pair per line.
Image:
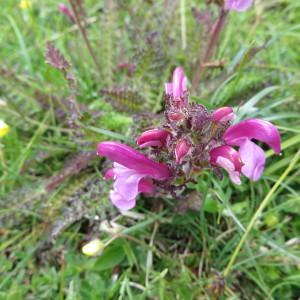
153,138
65,10
181,150
93,248
223,114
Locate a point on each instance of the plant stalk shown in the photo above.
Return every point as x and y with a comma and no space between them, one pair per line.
215,33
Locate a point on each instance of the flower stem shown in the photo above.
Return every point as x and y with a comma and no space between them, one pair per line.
83,32
259,211
215,33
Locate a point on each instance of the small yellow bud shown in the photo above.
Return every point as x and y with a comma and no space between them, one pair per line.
93,248
4,128
25,4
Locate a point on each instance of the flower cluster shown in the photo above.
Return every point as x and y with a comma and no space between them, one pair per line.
191,139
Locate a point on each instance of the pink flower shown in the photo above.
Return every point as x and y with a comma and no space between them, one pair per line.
253,156
132,171
181,150
177,88
229,159
65,10
153,138
238,5
223,115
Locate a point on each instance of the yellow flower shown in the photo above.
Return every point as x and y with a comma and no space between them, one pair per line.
4,128
25,4
93,248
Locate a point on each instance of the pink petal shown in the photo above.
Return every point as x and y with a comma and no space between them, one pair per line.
109,174
253,158
226,152
132,159
151,144
146,186
228,166
223,114
153,137
238,5
181,150
127,186
178,82
260,130
169,89
120,202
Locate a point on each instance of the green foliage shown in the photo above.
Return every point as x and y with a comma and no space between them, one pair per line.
160,253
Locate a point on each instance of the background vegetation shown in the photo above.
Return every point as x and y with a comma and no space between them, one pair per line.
53,199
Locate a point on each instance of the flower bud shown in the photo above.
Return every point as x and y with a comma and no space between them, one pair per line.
181,150
223,114
153,138
4,128
65,10
93,248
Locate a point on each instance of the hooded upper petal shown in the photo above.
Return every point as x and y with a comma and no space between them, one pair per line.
238,5
223,114
132,159
258,129
179,82
153,137
178,86
253,158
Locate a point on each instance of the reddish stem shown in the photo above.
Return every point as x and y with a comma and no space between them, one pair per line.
83,32
215,33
